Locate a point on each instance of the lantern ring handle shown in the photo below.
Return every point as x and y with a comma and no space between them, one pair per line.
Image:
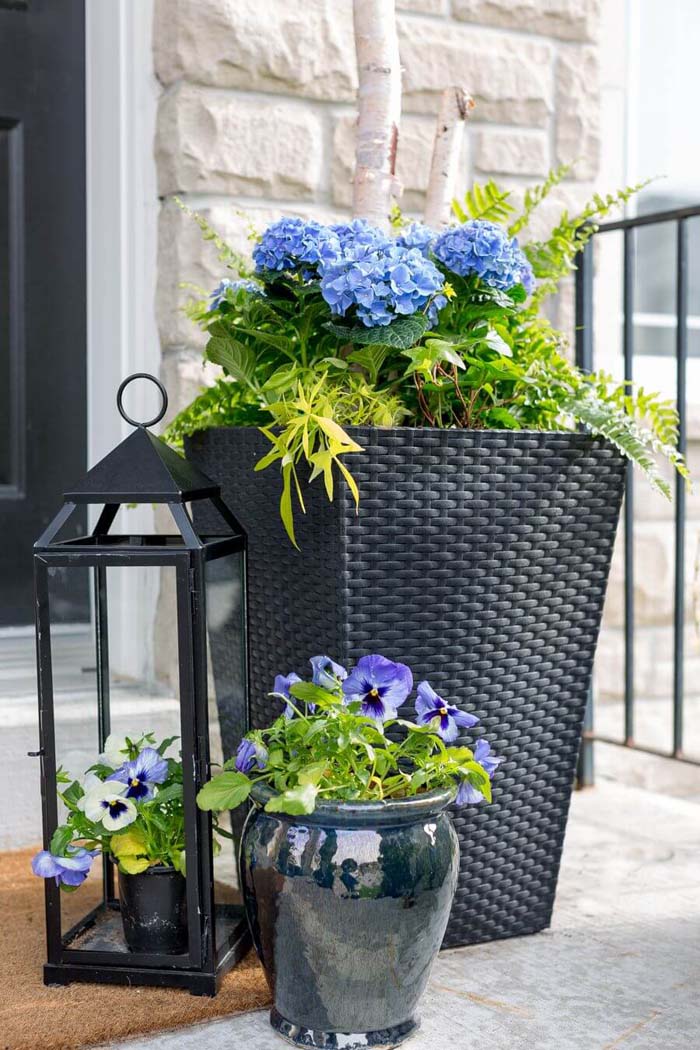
163,393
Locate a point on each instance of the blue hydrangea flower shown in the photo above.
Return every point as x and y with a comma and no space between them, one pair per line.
380,282
359,231
484,248
380,685
468,794
326,673
71,870
419,236
142,774
281,688
295,245
429,706
218,296
250,755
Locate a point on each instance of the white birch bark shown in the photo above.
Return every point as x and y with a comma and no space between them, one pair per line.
455,106
379,98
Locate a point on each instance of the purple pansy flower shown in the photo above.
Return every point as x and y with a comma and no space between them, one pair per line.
468,794
429,706
282,685
380,685
70,870
482,754
141,775
326,672
250,755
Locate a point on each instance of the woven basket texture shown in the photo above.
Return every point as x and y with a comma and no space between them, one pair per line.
479,558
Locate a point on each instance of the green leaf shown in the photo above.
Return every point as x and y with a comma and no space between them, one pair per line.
134,865
371,358
313,773
301,799
166,744
167,794
331,428
485,201
235,357
283,378
61,838
500,417
224,791
73,794
400,334
534,195
310,693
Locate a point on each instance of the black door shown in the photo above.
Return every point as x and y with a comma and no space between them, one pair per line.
42,283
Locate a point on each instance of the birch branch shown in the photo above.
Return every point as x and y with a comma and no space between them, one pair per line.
455,106
379,98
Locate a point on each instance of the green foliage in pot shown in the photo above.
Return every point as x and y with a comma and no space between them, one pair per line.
342,325
332,743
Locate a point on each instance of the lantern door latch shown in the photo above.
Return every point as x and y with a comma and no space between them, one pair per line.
36,754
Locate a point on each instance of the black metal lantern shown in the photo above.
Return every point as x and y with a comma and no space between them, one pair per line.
207,572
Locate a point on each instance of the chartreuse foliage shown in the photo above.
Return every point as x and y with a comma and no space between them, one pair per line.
343,326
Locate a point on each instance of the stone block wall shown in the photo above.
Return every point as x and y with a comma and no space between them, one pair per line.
257,119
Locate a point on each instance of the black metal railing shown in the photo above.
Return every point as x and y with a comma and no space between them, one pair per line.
678,218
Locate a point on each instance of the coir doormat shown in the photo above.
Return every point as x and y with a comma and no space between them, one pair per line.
33,1017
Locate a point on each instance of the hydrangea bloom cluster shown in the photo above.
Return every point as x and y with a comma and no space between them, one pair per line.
359,231
295,244
419,236
382,282
484,248
218,296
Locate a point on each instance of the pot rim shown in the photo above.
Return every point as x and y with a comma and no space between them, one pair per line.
153,869
337,813
576,435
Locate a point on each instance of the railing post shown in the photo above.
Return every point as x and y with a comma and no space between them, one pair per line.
628,356
585,774
681,395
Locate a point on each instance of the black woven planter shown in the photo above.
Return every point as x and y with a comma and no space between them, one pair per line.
480,558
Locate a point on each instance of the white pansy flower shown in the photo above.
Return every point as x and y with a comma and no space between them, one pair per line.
89,782
116,750
104,804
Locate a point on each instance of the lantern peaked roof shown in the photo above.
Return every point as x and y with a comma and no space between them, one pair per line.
142,469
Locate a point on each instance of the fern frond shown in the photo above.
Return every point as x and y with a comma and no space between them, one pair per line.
553,259
534,196
485,201
233,259
640,444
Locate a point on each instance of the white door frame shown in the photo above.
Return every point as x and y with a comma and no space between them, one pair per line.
122,220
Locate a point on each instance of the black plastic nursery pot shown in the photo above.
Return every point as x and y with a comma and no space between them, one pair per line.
347,907
480,559
153,906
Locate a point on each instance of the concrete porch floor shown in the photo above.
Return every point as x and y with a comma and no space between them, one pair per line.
620,966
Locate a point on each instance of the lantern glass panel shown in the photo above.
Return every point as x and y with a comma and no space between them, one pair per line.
76,729
126,684
227,718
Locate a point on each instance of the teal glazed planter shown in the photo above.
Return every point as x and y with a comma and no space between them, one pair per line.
348,908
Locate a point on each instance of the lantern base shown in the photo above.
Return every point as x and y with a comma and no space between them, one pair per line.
99,940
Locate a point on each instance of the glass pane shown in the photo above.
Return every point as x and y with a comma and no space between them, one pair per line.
227,720
141,697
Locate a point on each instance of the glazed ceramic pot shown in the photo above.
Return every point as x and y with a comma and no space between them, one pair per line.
348,907
153,907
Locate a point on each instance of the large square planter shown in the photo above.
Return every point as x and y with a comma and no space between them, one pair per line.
479,558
